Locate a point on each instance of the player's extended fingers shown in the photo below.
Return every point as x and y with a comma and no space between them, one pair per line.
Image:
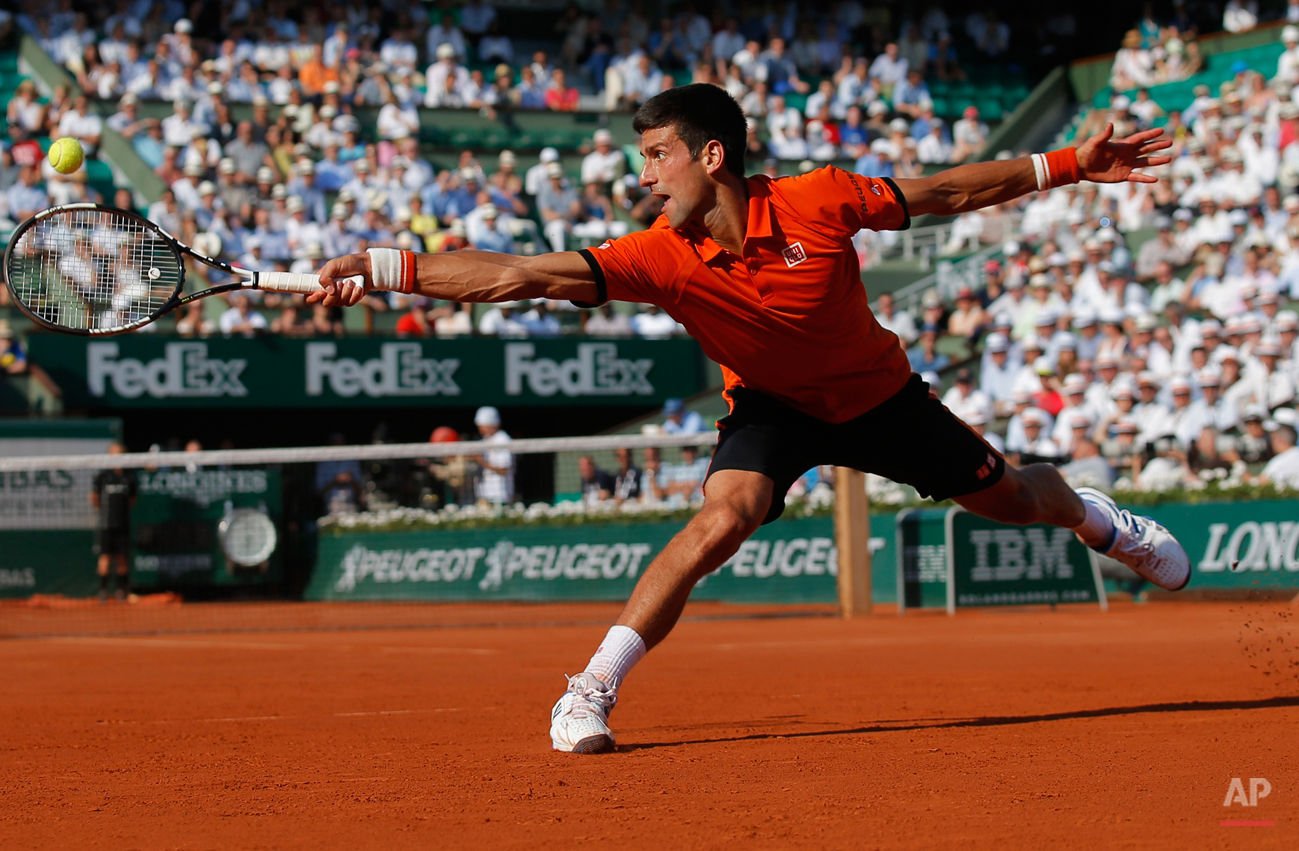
1138,177
1156,145
1150,162
1144,136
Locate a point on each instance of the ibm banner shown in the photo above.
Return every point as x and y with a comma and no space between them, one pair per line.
157,371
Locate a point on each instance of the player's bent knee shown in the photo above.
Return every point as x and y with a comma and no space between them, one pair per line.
726,526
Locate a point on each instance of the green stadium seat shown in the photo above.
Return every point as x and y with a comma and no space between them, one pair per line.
989,108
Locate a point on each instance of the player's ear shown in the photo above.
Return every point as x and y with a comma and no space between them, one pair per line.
713,156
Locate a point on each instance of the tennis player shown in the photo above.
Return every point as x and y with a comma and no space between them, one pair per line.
764,275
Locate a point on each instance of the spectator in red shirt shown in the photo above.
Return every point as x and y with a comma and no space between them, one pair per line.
560,96
414,322
1048,398
26,151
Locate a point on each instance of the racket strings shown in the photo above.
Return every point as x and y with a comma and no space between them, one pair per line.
93,270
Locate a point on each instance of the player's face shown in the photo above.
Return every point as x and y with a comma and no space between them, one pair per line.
672,174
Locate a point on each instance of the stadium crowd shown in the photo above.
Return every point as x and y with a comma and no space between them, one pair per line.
330,160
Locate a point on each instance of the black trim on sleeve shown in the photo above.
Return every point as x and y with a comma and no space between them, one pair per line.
601,288
902,199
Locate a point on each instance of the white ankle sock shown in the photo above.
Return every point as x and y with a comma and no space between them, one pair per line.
621,649
1097,529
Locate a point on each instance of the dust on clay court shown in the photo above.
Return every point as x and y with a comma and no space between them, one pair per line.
1027,729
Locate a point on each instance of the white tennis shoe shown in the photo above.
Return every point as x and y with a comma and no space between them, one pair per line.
579,723
1143,545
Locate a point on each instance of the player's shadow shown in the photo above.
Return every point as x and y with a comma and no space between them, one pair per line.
988,721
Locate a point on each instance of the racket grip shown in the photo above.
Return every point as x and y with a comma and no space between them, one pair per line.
288,282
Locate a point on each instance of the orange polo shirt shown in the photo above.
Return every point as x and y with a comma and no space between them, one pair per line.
790,317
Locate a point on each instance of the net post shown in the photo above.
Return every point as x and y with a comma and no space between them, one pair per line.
852,532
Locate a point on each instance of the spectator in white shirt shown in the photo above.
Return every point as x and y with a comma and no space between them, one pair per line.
241,318
606,164
496,478
933,148
84,125
653,324
888,69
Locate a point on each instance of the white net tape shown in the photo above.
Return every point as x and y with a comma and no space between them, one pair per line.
381,451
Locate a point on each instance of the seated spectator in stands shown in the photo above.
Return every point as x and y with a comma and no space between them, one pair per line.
503,320
240,318
1038,448
651,323
597,485
529,92
25,150
969,135
27,197
684,481
414,322
923,356
249,155
486,233
888,69
452,320
899,323
338,483
606,165
968,320
561,97
911,92
778,71
25,109
933,148
13,360
293,322
559,207
541,321
680,420
604,321
1086,466
1283,468
1240,16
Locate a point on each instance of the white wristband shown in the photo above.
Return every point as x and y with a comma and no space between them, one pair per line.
1041,171
392,270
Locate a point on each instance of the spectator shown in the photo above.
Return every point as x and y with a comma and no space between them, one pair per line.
653,324
240,318
679,420
13,360
503,320
597,485
559,207
923,356
496,477
604,321
540,321
1283,468
606,165
561,97
899,323
685,481
627,482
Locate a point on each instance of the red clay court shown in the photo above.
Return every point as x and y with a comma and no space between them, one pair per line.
993,729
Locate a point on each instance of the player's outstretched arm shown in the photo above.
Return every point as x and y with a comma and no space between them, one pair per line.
467,276
1101,159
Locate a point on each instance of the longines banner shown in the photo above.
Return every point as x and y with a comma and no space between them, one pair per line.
148,371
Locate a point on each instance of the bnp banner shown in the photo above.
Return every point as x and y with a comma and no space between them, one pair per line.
789,561
1236,545
993,564
153,371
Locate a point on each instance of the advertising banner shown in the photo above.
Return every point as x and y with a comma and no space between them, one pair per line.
155,371
1236,545
789,561
995,564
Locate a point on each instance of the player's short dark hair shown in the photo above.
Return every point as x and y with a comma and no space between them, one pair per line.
699,113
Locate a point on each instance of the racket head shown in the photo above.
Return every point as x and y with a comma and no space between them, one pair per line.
92,269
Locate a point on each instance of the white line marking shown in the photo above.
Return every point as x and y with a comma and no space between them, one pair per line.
468,651
176,642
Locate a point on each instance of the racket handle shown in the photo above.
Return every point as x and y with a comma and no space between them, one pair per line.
288,282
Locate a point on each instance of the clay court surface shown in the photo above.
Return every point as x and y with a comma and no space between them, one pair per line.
993,729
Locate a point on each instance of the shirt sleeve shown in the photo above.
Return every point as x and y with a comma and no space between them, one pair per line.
632,268
854,202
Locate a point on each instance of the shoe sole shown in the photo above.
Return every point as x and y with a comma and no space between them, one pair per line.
590,745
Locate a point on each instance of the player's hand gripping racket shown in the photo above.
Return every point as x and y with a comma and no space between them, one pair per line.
93,269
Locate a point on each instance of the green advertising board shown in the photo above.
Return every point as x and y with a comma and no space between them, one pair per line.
995,564
921,550
155,371
48,561
789,561
175,543
1236,545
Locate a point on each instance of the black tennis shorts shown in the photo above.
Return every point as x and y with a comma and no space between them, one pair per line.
910,438
113,541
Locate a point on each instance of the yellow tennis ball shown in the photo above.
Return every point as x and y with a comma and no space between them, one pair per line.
66,155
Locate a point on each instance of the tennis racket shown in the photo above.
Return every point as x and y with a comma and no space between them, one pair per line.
95,270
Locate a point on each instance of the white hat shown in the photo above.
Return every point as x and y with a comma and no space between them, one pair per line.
279,191
345,195
489,211
193,168
405,240
554,170
306,167
899,125
315,250
1290,34
338,211
294,205
446,51
997,343
265,175
602,135
487,416
1043,366
506,158
1074,383
184,26
207,187
549,155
